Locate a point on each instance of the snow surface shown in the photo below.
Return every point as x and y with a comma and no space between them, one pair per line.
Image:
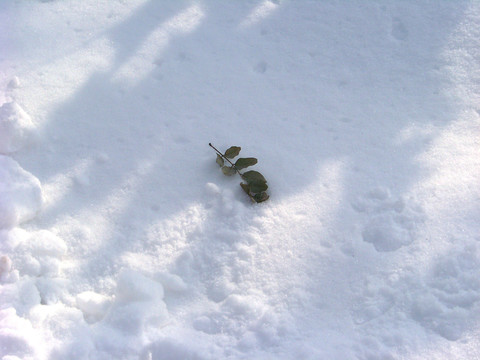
121,239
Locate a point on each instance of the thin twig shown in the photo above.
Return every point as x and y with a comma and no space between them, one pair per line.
224,157
245,187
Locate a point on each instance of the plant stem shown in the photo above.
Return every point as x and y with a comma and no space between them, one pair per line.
225,158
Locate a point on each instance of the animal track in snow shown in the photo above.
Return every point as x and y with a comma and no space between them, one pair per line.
247,317
441,300
399,31
450,294
374,299
391,222
261,67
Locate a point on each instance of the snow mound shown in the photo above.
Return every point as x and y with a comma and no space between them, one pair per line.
11,238
14,83
16,127
41,254
45,243
30,266
94,306
7,273
20,194
172,282
64,323
17,336
133,286
138,304
137,309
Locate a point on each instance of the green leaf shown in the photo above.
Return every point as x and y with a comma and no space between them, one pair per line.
242,163
258,186
220,160
245,188
253,176
260,197
232,152
228,170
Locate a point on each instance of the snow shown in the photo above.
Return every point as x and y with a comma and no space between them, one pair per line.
20,194
15,126
120,238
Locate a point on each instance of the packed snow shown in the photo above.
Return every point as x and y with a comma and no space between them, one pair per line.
120,238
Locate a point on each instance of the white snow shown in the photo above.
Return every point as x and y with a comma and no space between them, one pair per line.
94,306
120,238
15,127
20,194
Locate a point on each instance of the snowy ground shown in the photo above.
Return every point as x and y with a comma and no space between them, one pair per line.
121,239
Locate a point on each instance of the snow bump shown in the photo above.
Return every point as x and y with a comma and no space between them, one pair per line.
20,194
138,305
94,306
16,127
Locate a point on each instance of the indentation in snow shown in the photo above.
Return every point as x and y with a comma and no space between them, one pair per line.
391,222
451,294
399,31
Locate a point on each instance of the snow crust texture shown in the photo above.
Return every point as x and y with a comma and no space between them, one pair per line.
121,239
391,222
15,127
20,194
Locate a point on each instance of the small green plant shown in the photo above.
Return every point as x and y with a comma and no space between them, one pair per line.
255,185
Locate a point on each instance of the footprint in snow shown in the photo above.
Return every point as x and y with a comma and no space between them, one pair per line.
450,295
374,297
442,300
391,222
261,67
399,31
